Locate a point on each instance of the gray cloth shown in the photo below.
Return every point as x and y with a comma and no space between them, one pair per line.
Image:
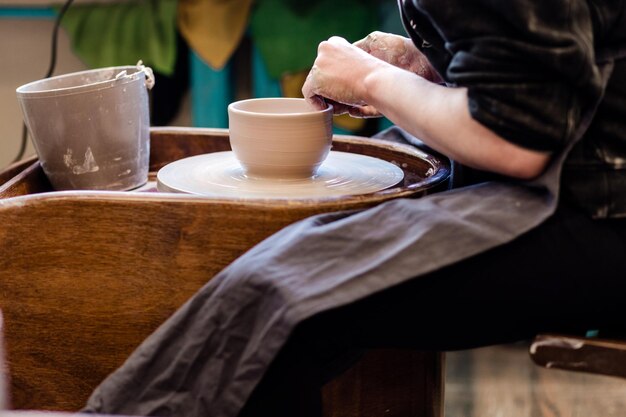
207,358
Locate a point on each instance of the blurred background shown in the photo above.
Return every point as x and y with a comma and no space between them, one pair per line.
205,53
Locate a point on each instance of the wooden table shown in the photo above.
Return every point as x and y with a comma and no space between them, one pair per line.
85,276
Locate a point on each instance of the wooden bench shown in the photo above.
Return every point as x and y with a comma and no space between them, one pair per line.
580,354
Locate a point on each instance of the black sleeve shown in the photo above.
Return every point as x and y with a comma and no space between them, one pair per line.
529,66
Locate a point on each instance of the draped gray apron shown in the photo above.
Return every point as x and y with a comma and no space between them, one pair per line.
207,358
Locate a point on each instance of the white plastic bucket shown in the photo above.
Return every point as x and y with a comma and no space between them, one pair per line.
91,128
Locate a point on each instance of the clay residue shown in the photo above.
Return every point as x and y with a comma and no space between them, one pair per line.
78,168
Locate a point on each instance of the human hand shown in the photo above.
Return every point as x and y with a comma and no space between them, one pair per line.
400,52
337,78
340,69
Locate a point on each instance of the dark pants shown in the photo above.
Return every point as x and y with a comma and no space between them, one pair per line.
568,275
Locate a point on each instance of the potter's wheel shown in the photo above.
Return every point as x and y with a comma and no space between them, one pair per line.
219,174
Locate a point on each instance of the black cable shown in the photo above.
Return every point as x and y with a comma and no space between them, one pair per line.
55,35
53,61
22,150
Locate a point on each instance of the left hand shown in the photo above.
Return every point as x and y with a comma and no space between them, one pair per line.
399,51
337,78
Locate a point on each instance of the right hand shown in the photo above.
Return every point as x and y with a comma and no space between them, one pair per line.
400,52
337,78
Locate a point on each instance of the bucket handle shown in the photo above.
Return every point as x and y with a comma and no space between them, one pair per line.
142,68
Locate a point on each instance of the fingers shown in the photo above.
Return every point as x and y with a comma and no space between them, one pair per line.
381,41
310,90
332,42
398,51
335,77
339,108
367,42
336,40
364,112
318,102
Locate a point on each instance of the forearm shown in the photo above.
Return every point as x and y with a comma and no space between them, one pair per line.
440,117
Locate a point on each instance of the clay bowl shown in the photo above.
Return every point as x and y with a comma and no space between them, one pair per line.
279,137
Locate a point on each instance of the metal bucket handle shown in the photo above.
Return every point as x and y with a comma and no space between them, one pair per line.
142,68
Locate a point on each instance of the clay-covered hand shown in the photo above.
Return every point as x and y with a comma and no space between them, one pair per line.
340,69
399,51
337,78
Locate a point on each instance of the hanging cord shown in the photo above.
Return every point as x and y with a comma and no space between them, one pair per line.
53,61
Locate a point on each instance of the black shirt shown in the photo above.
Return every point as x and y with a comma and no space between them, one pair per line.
531,70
